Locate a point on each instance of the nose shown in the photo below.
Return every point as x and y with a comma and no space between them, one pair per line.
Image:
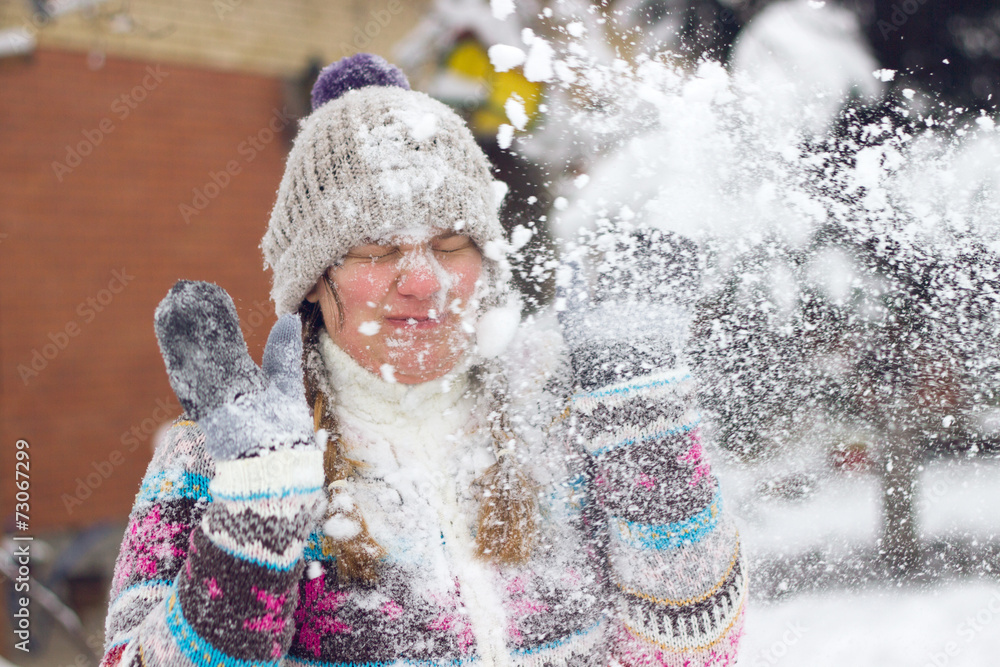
418,280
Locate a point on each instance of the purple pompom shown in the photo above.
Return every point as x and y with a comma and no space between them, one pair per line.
357,71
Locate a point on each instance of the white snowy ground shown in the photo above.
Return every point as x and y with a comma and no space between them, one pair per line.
954,623
957,624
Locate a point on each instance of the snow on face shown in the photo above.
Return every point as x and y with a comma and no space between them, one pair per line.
406,303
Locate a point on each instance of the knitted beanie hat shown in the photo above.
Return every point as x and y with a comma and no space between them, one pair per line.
373,161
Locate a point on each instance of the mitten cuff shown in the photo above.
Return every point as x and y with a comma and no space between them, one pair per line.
637,411
278,473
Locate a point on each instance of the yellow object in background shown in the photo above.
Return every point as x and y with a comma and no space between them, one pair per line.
470,60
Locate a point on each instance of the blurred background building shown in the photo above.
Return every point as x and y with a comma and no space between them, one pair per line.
142,142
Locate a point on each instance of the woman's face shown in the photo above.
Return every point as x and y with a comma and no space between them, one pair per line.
402,304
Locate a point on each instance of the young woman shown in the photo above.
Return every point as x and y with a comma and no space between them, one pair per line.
388,489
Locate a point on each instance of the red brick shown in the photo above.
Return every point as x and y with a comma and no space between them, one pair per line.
118,208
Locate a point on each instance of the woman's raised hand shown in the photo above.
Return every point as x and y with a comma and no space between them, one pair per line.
242,409
631,318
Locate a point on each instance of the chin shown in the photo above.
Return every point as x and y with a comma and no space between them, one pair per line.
425,362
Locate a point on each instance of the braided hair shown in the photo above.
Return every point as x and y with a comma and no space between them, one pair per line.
507,518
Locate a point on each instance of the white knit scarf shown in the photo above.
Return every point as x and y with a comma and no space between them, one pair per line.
428,443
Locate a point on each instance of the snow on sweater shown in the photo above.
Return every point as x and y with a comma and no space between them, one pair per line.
635,566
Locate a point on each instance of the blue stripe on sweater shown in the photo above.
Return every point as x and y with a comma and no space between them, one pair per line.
560,642
146,584
168,485
671,535
196,649
685,428
627,389
257,561
281,493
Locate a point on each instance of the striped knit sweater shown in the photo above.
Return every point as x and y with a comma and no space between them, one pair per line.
222,564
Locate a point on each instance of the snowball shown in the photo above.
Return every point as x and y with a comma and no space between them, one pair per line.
314,570
501,8
565,74
388,372
986,123
341,528
575,29
560,203
908,93
504,57
884,75
519,237
947,421
790,52
514,108
581,180
505,136
538,66
493,250
496,328
564,276
369,328
868,167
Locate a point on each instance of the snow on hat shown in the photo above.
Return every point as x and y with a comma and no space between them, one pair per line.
375,160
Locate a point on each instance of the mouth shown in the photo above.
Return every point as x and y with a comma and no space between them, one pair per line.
412,321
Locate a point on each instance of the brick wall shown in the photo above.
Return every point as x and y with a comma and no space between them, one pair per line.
90,244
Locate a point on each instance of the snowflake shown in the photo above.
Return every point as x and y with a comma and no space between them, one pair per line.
695,456
316,617
452,620
273,621
522,607
147,544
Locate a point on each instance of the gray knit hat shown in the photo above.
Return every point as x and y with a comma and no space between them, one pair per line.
375,160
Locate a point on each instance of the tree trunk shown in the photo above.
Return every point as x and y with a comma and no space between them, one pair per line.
900,547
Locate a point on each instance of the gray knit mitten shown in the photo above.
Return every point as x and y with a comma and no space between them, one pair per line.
634,320
243,410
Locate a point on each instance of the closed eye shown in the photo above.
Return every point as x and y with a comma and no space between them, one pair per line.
450,244
374,253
